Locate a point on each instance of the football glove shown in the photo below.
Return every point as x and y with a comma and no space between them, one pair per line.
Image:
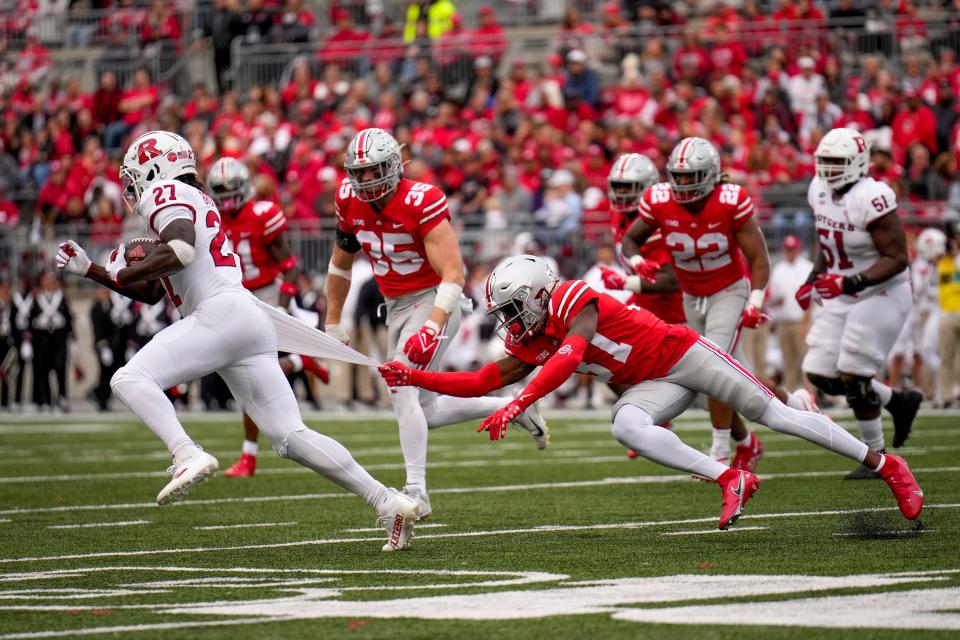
829,285
751,318
646,269
337,331
396,374
118,262
496,423
616,281
805,295
73,259
422,346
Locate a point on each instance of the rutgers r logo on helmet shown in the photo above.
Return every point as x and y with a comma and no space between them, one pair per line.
147,151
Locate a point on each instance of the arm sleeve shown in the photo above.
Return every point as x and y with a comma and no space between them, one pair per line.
555,371
469,384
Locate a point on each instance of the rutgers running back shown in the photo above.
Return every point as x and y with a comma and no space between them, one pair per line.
393,238
216,267
843,226
630,345
705,254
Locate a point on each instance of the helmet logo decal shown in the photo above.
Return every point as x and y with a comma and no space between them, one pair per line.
361,140
147,150
861,144
682,159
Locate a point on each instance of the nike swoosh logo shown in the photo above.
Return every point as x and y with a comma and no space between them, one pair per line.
397,226
739,488
526,395
713,226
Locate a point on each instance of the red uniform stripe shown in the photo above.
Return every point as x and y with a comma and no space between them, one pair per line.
682,159
736,365
361,139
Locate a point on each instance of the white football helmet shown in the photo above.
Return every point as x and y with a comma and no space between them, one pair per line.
842,157
517,292
699,159
230,185
629,177
157,155
932,244
378,149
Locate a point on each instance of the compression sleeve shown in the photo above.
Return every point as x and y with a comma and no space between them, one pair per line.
467,384
555,371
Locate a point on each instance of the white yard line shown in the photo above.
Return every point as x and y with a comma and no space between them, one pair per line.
246,526
650,479
461,534
92,525
735,529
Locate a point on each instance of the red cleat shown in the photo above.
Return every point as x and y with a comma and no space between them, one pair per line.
896,473
737,487
632,454
667,425
245,467
748,455
311,365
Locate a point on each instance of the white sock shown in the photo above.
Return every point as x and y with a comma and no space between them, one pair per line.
296,361
413,433
884,391
444,410
744,442
633,428
813,427
331,459
871,432
148,403
250,448
721,444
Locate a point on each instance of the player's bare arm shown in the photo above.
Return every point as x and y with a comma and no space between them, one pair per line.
280,251
167,259
754,247
73,259
636,235
891,242
338,282
443,254
665,281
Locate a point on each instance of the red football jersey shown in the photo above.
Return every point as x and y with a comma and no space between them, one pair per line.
631,345
705,252
252,231
393,238
667,306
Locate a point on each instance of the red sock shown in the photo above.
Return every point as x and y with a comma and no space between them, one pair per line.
311,365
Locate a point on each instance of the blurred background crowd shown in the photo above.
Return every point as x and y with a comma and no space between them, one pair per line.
516,108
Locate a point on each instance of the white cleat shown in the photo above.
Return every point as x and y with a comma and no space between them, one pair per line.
190,472
803,400
397,516
532,420
422,498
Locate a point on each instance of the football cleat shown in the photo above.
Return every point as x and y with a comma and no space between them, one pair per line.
903,407
738,486
422,498
896,473
862,472
532,420
185,475
748,455
803,400
245,467
397,516
632,455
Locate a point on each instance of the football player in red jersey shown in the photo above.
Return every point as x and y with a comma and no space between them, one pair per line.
256,230
404,229
657,367
709,229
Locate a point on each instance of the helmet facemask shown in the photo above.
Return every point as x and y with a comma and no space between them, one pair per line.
230,195
624,195
133,181
692,185
515,321
835,170
386,180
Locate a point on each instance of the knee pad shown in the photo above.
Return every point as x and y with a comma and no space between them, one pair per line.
860,394
830,386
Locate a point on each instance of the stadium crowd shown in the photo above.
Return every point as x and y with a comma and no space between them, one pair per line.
518,145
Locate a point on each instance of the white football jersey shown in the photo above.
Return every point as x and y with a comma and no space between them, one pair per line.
926,286
842,231
216,267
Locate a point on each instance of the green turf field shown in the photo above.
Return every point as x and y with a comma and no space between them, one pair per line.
575,541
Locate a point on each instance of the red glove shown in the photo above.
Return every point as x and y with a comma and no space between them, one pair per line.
422,345
612,279
396,374
804,295
751,318
829,285
497,422
646,269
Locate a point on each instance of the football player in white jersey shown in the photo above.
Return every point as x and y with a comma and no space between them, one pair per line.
225,329
860,277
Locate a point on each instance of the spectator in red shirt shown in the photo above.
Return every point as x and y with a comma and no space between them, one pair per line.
34,60
690,60
346,46
914,123
160,24
856,112
884,167
9,213
727,56
106,105
53,195
302,85
140,101
573,31
488,39
201,105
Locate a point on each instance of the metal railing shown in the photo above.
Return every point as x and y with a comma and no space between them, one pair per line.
28,250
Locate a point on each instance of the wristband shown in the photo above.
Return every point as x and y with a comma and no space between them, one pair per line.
813,277
288,288
854,284
430,324
634,284
448,296
184,251
334,270
288,264
756,298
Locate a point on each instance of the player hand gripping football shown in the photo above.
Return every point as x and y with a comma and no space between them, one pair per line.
422,346
497,422
73,259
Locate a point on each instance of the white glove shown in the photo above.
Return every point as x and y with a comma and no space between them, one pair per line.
106,356
72,258
117,262
337,331
26,350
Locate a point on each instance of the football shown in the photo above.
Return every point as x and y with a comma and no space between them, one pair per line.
139,248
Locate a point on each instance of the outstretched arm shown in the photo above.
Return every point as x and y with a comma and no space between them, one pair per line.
468,384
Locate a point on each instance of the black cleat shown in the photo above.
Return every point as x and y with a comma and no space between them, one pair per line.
903,408
862,472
